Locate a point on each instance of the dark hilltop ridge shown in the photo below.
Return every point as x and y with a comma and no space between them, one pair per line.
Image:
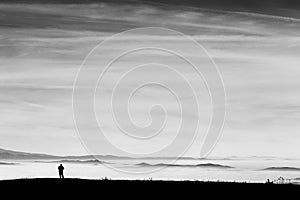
105,188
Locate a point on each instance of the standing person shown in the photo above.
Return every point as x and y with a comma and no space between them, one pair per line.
61,171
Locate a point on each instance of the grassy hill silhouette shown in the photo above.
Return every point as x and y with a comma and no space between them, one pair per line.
95,189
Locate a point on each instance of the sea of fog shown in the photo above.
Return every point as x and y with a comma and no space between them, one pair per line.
249,170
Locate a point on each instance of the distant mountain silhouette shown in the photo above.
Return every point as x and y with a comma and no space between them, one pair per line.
281,169
8,154
6,163
79,161
205,165
17,155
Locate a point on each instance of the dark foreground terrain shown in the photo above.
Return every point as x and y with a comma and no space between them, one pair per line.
102,189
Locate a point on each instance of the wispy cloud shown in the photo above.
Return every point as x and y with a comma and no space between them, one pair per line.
41,48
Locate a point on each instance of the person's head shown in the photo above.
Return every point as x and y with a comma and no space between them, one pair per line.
60,164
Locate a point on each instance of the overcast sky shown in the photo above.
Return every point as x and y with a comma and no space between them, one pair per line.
42,47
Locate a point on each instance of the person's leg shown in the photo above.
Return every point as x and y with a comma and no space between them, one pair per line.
62,176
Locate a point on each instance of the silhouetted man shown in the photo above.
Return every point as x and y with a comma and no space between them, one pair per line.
61,171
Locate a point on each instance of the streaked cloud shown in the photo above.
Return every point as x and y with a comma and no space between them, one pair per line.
42,47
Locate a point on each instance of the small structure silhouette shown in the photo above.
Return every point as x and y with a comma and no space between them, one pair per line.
269,182
61,171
